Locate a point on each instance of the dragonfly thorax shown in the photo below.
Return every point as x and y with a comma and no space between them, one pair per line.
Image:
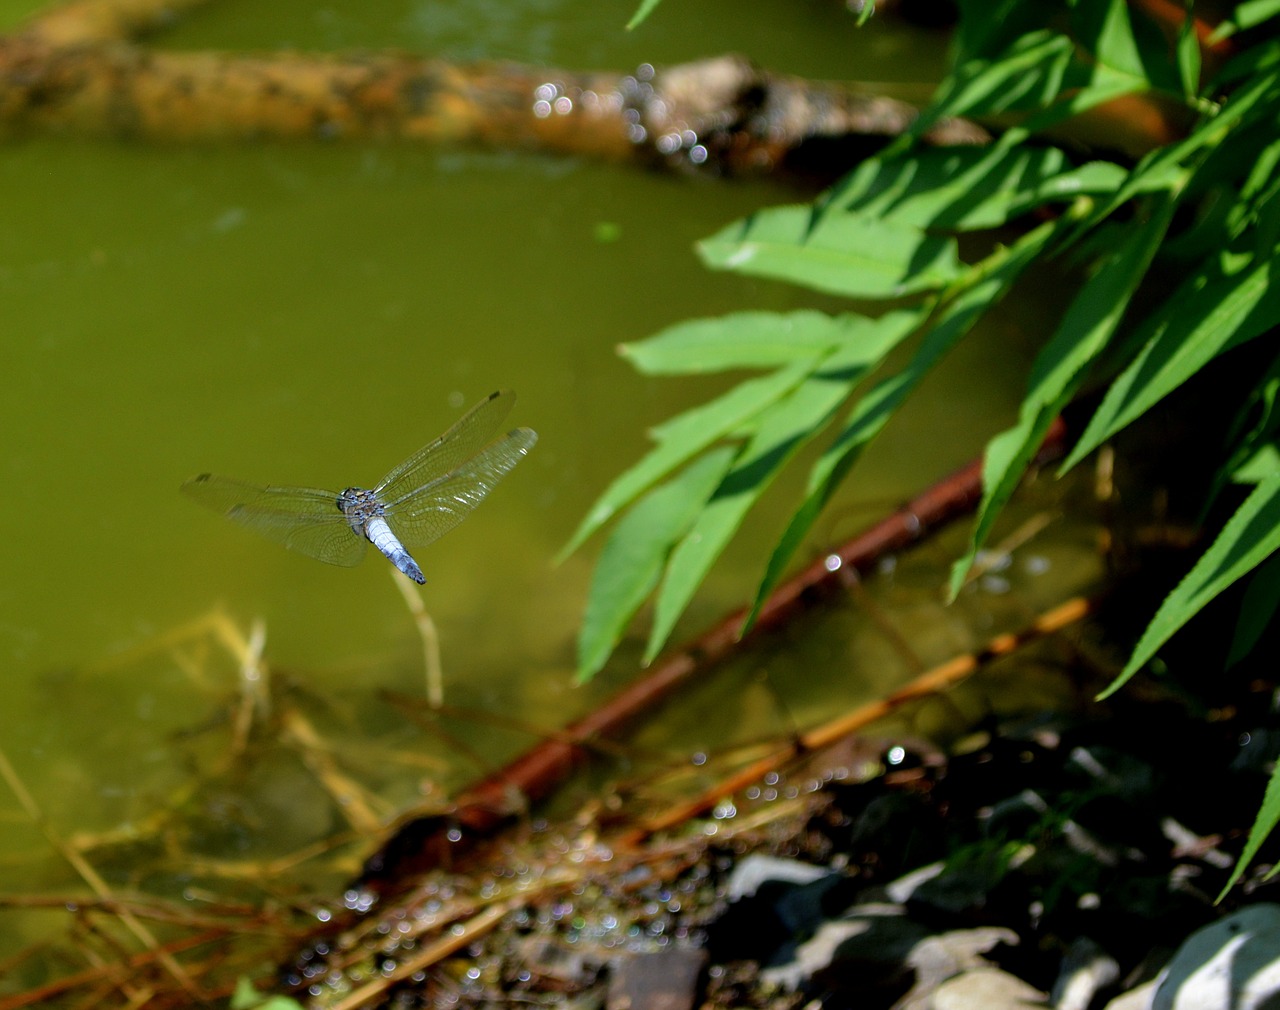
359,506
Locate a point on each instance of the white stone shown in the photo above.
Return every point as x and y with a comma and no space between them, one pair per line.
1232,964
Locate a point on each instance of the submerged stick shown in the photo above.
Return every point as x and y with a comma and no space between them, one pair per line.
426,842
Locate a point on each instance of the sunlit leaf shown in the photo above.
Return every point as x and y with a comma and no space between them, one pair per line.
1212,312
1188,54
1252,13
1167,165
874,408
856,255
685,436
1059,369
632,560
1249,537
742,340
1263,825
1027,75
1103,27
782,431
969,188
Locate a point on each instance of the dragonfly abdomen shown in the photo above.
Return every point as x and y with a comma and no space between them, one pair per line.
380,535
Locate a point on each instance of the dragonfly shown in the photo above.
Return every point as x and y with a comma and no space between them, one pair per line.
418,502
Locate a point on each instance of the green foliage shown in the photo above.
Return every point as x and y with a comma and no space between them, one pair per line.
1197,218
246,997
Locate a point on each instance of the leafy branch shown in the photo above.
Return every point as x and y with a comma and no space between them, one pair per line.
1201,214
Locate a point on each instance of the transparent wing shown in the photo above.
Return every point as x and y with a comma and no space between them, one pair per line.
443,456
429,512
303,519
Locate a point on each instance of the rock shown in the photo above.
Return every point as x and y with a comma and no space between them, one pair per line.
869,942
936,959
1232,964
1086,968
754,870
987,989
664,980
1135,999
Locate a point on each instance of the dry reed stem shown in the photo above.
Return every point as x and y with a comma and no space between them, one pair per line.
472,929
429,635
354,801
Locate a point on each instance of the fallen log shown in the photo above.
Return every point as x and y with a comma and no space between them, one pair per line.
722,113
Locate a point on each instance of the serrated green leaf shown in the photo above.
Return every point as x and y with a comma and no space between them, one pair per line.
1166,166
742,340
855,255
1249,538
781,432
873,410
684,436
1028,74
1263,825
1059,369
1212,312
968,188
632,560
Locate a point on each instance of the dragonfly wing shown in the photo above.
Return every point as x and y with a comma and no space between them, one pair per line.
429,512
301,518
451,449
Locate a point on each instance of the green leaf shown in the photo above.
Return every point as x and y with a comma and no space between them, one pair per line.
781,432
849,254
742,340
632,560
646,8
1188,55
1213,311
246,997
1165,166
968,188
1104,29
684,436
1026,75
1249,538
1059,369
1257,608
1263,825
873,410
1252,13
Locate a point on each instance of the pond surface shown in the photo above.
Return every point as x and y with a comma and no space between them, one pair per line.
311,314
